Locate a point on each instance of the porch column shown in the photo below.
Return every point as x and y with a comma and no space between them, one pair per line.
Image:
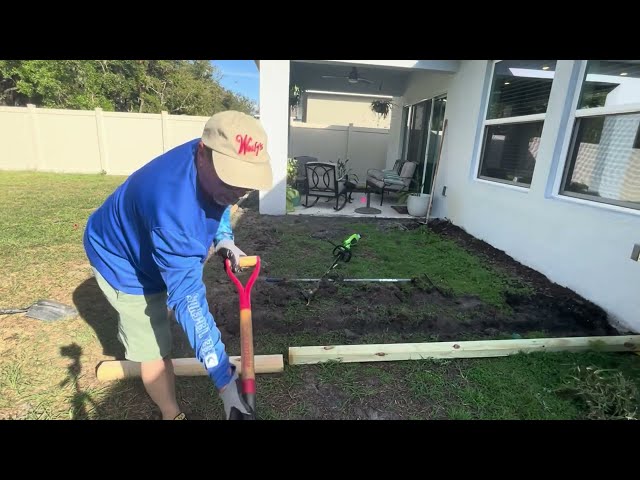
274,115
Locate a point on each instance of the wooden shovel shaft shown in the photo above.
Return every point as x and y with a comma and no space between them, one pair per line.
247,359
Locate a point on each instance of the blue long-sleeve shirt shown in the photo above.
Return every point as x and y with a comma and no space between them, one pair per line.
153,234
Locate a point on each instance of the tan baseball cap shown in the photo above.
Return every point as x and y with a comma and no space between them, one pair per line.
239,145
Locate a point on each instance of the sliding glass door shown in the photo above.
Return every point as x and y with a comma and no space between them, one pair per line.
423,123
418,134
434,140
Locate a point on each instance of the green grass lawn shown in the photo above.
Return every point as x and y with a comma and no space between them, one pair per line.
47,369
395,254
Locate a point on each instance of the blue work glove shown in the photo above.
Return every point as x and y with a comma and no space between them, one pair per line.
227,249
235,407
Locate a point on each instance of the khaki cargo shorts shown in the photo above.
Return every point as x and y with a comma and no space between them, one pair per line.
143,322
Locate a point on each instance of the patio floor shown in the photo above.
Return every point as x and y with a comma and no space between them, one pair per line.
325,208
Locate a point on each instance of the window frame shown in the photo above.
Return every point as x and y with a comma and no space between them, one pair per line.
576,114
485,122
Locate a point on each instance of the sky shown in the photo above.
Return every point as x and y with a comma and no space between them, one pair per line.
240,76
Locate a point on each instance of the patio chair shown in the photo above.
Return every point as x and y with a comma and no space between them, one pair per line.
379,181
301,174
378,173
321,181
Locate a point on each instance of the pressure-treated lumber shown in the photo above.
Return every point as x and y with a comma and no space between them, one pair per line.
117,369
467,349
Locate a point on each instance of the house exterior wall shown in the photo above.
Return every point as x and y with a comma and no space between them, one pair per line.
423,85
579,244
334,109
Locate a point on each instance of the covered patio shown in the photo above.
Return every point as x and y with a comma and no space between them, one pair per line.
354,208
412,138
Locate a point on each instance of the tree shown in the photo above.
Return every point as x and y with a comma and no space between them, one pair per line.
181,87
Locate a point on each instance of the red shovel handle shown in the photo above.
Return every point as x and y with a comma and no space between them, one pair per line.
244,291
246,328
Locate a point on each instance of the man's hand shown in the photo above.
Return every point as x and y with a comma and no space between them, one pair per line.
227,249
234,405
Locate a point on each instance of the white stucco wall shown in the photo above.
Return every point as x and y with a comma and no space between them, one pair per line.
581,245
394,142
274,115
339,109
423,85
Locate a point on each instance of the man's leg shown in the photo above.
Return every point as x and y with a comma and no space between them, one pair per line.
159,381
144,330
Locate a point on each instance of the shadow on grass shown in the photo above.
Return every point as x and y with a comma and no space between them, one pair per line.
100,315
80,399
127,398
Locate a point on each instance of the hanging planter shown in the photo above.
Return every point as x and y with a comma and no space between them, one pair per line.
381,107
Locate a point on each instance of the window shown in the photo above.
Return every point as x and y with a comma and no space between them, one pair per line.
603,162
515,115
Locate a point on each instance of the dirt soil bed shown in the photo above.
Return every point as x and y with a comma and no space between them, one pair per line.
379,312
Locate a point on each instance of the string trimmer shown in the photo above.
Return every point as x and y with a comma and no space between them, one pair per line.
341,253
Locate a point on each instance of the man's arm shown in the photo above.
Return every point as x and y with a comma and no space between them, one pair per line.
179,259
225,232
224,241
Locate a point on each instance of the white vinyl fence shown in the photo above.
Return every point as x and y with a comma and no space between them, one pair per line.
94,141
364,147
89,141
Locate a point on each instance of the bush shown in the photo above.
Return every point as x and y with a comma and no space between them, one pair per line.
293,198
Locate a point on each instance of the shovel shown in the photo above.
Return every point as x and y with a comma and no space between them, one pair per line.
247,367
47,310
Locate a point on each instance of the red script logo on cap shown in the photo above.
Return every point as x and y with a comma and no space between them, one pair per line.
246,145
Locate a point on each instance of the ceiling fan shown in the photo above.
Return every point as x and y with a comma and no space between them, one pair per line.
351,78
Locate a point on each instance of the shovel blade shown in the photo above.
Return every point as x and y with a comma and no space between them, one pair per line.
50,311
236,414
